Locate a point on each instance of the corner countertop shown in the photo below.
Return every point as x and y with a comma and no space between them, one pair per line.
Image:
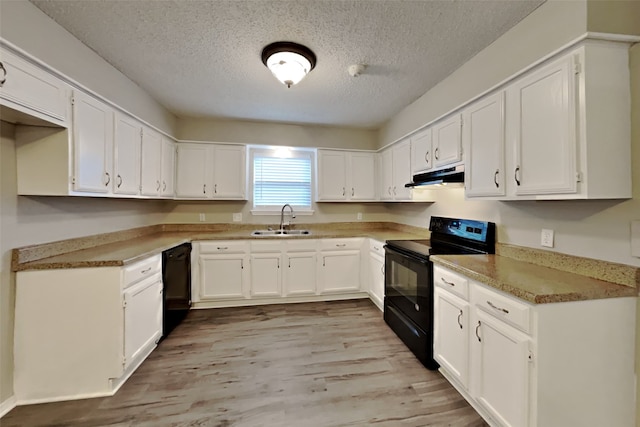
138,247
531,282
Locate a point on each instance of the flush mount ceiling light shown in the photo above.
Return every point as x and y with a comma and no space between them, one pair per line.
289,62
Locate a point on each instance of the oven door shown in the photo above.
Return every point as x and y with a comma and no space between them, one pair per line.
408,287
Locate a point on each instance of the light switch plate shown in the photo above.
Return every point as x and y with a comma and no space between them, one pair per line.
237,217
635,238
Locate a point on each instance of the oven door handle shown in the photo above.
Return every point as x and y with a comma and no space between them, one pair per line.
405,255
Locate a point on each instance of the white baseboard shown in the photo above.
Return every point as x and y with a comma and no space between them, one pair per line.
7,406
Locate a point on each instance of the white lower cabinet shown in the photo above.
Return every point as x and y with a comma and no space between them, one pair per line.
522,364
81,332
339,265
222,271
266,269
376,273
299,268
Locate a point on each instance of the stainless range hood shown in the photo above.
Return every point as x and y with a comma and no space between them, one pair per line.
450,175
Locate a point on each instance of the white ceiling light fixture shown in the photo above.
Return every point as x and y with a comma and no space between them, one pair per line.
289,62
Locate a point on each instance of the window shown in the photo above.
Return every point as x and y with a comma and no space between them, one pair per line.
281,176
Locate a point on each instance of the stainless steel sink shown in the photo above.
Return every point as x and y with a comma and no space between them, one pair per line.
280,233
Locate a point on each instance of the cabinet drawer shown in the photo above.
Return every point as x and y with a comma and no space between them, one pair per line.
224,247
266,246
306,245
505,308
340,244
376,247
453,282
142,269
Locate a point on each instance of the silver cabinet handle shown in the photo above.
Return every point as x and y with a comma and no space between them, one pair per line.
341,245
146,270
516,174
382,269
426,157
495,178
389,190
278,262
241,264
215,188
324,259
478,327
394,190
447,282
504,310
204,189
158,185
119,180
343,191
353,191
437,153
164,186
223,248
459,317
108,178
4,74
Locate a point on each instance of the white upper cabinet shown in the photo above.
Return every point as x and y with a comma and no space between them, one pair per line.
421,151
447,141
345,175
168,169
483,140
150,182
26,88
395,167
211,171
126,155
542,116
92,143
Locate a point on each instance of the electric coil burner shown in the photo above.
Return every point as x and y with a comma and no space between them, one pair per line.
408,302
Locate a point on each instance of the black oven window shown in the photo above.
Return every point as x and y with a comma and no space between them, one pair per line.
405,281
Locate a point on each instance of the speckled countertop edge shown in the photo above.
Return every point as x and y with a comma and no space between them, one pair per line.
531,282
129,246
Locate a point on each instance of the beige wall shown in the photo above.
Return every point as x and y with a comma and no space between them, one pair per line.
24,25
30,220
247,132
614,16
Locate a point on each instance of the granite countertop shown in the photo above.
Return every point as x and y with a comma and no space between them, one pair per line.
139,247
533,283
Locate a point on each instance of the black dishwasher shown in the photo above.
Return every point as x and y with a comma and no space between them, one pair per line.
176,277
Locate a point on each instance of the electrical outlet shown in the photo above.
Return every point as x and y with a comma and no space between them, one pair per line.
546,238
359,216
237,217
202,217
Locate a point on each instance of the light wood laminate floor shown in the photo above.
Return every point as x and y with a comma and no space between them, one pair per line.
314,364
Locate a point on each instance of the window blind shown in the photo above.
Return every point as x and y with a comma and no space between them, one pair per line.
277,181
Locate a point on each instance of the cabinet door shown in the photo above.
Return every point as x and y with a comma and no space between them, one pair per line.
222,276
30,89
142,317
266,275
191,171
362,176
451,335
402,170
332,178
483,135
541,110
386,169
299,274
501,365
92,144
126,155
168,169
340,271
151,163
229,172
421,154
447,141
376,279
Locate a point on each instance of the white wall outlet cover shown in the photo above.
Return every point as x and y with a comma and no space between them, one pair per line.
237,217
359,216
202,217
546,238
635,238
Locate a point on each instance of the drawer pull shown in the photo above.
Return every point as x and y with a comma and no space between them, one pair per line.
447,282
478,327
223,248
459,317
341,245
146,270
504,310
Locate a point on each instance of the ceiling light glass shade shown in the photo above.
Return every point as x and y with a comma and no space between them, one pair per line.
289,62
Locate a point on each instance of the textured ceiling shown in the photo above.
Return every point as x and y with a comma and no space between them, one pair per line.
202,58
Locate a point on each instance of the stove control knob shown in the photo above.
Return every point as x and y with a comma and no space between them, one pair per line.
417,307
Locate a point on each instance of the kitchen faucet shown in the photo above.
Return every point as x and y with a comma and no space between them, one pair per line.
282,216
